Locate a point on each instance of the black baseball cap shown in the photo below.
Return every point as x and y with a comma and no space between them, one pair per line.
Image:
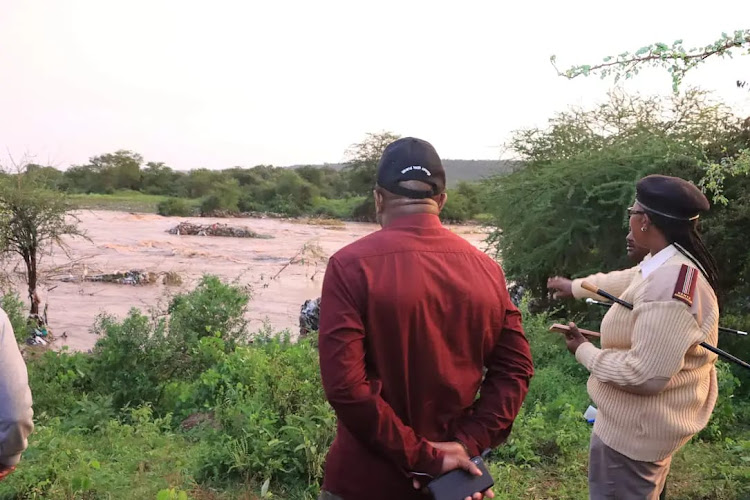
411,159
671,197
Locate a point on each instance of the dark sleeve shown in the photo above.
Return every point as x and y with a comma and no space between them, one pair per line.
488,422
356,399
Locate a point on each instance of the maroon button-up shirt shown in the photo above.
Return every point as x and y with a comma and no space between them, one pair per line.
409,317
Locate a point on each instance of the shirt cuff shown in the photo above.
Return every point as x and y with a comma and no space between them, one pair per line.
471,445
586,354
430,461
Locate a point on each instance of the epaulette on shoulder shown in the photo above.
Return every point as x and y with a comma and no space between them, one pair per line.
685,286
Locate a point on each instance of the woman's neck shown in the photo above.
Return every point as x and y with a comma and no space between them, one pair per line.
658,246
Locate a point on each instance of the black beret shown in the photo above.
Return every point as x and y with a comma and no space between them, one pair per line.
671,197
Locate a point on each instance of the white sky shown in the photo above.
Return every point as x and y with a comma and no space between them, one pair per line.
220,83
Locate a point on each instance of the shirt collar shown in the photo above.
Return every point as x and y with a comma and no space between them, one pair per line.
652,264
416,220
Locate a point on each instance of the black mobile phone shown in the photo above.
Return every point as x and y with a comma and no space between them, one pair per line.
459,484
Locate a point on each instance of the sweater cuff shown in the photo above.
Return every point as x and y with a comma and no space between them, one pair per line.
577,289
586,354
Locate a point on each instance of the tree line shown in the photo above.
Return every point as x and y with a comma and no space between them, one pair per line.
304,190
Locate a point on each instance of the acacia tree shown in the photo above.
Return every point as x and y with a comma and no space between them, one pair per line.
32,219
678,61
362,161
675,58
580,174
362,167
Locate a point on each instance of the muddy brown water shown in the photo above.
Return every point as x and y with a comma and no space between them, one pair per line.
122,241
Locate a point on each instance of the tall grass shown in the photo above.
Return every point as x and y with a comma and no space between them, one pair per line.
189,407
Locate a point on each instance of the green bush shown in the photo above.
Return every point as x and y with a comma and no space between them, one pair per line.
132,457
57,380
213,308
151,353
223,197
740,347
564,212
175,207
364,211
465,202
336,208
279,190
274,419
457,208
727,410
14,307
139,348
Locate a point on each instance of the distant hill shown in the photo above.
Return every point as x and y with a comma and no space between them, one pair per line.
475,170
457,170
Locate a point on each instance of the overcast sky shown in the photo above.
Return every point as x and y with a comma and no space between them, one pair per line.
222,83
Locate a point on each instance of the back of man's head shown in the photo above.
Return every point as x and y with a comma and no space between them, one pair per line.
411,159
411,179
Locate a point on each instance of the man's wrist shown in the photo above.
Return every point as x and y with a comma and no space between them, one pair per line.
463,445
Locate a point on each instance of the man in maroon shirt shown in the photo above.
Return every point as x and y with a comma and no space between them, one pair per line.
409,318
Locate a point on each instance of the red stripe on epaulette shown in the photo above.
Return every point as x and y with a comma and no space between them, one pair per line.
685,286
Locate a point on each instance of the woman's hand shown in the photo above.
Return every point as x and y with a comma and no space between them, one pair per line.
574,338
563,287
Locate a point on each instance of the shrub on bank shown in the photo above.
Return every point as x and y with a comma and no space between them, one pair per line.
342,208
179,207
14,307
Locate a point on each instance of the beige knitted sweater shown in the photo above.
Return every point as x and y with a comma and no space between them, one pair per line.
653,384
15,397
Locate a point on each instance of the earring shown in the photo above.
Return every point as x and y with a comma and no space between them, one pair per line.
643,229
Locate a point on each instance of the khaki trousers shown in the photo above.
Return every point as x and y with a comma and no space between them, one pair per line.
613,476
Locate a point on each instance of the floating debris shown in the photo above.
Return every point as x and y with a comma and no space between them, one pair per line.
132,277
190,229
309,316
172,278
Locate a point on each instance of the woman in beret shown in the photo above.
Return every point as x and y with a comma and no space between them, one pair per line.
653,384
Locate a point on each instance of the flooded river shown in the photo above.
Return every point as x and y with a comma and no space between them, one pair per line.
120,242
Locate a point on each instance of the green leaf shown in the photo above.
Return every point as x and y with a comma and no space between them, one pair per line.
608,58
182,496
642,51
94,464
163,495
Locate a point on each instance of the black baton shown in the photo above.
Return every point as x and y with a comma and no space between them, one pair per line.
593,289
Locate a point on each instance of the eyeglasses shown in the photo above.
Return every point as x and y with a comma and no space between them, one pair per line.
632,211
